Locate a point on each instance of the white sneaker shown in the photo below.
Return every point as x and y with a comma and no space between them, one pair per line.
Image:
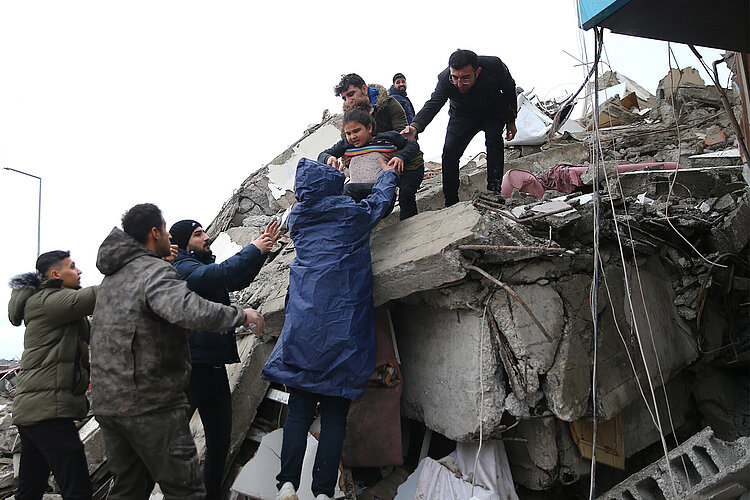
287,492
323,496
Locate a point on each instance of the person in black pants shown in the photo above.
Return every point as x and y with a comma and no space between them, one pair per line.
54,375
209,391
482,93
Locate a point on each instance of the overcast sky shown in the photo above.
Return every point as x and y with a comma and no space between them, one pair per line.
177,102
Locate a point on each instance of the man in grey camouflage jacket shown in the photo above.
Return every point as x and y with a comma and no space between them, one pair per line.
140,361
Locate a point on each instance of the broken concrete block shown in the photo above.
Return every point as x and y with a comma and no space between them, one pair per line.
701,467
572,466
420,253
10,442
664,335
267,293
733,234
533,462
567,386
534,270
532,350
440,361
93,442
637,421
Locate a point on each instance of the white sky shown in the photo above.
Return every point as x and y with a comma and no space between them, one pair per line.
177,102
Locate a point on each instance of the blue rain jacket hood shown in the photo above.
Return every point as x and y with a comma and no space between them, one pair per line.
327,345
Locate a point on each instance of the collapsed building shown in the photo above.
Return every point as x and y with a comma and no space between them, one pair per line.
487,311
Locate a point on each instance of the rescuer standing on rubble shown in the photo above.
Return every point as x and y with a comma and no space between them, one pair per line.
326,351
140,361
54,375
483,98
209,389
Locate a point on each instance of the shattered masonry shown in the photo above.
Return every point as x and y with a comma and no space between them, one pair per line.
689,309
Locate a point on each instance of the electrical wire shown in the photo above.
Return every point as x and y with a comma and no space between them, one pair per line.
480,366
599,35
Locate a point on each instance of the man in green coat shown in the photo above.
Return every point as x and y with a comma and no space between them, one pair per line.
54,375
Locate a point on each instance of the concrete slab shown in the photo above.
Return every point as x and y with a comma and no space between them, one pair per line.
420,253
440,353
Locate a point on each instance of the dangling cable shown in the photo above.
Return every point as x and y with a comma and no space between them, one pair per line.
599,34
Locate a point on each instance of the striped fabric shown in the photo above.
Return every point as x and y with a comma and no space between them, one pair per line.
371,148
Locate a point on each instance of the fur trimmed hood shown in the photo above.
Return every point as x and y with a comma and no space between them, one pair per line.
382,94
24,287
32,280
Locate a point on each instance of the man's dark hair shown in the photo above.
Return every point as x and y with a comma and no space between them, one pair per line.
397,76
49,260
462,58
139,220
346,81
358,115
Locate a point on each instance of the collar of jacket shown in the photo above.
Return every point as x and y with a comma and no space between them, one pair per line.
202,257
394,90
52,283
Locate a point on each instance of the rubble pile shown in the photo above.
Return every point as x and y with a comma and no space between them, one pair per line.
491,301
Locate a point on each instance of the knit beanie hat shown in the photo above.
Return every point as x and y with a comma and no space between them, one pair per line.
181,232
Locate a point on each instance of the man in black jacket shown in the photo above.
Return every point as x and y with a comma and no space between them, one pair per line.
483,97
398,92
209,390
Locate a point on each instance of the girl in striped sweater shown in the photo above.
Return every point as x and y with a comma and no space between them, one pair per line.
365,153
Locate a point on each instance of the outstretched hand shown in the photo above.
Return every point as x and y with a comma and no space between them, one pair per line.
335,163
253,316
397,164
265,240
410,132
386,166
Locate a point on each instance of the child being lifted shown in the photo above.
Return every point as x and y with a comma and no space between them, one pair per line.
362,152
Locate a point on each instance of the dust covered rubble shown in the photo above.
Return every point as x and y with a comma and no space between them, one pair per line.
674,290
655,286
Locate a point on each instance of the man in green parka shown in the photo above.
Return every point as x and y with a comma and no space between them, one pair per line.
54,375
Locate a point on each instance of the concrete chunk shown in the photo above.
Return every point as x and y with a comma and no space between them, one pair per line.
702,467
420,253
440,352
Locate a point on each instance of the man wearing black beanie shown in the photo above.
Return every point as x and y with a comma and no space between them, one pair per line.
209,390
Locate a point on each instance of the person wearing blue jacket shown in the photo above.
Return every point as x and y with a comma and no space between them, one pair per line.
326,351
209,390
398,92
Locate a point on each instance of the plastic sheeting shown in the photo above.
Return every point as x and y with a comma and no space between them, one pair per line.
493,478
257,479
531,123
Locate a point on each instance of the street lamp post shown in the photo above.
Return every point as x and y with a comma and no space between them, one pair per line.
39,213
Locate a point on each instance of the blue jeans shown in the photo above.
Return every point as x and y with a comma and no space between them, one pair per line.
333,411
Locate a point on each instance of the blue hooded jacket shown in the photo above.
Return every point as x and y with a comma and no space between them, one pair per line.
327,345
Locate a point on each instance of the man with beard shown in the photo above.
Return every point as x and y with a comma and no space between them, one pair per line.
210,351
140,361
398,92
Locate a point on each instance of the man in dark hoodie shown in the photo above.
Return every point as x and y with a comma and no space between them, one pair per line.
209,390
398,92
140,361
54,375
482,93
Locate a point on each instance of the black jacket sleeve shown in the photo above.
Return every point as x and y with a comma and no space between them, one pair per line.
434,104
337,151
